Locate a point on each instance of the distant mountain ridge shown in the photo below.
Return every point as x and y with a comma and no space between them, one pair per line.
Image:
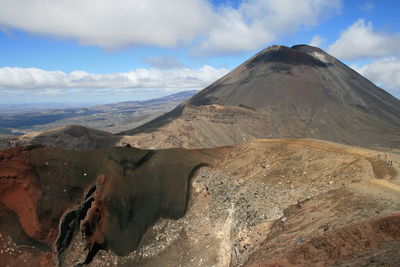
99,116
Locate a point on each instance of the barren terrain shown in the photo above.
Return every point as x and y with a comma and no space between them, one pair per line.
275,202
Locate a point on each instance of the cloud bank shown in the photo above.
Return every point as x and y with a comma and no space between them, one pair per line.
14,79
360,41
384,72
222,29
107,24
257,22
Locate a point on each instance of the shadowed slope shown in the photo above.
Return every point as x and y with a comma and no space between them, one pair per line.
112,195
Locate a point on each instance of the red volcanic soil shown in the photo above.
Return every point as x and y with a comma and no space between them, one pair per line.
47,194
19,185
20,193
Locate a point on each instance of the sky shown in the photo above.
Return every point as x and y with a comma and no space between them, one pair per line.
104,51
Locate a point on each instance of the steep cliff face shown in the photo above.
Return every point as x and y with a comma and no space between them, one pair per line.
49,195
297,92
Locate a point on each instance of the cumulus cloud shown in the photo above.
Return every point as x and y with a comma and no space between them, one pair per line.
163,23
179,78
384,72
108,23
317,41
360,40
257,22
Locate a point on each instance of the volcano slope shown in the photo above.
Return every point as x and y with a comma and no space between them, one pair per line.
276,202
282,92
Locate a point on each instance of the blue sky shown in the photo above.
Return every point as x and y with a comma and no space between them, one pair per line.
101,51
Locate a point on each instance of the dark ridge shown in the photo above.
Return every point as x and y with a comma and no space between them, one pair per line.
90,192
285,55
307,48
69,224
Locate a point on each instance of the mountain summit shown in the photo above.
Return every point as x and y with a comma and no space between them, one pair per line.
281,92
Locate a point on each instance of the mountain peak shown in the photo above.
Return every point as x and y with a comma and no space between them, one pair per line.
305,46
295,55
287,92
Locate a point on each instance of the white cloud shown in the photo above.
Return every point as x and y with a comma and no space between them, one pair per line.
120,24
258,22
179,78
384,72
317,41
360,40
108,23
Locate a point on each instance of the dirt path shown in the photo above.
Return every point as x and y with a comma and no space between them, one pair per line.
386,183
